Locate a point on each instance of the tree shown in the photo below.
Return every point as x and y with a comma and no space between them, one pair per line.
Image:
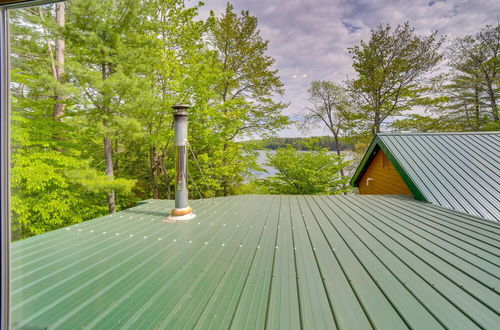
316,171
390,68
93,86
330,107
475,77
102,36
248,86
52,184
422,123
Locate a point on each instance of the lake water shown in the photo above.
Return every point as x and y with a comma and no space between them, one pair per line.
270,171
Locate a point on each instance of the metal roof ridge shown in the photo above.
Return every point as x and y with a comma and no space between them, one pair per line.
441,133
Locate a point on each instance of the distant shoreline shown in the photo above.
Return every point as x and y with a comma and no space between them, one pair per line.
299,143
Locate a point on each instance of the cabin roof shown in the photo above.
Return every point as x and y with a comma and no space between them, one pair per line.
256,261
460,171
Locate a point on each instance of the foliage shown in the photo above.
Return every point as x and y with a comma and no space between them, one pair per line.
124,64
390,69
246,92
466,96
313,172
299,143
255,186
249,86
421,123
330,106
473,87
53,185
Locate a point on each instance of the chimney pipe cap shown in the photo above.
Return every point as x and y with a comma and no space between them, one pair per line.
180,107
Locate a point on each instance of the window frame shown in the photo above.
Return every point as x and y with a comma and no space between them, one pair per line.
5,6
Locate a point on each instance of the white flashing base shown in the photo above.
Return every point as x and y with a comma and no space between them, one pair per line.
185,217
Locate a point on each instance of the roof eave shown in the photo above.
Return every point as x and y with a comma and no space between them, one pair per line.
365,162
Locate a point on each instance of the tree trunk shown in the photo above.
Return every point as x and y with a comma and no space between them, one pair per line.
492,97
493,101
59,62
109,170
476,112
376,123
342,173
108,147
225,181
153,168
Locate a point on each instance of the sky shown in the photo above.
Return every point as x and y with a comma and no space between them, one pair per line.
309,38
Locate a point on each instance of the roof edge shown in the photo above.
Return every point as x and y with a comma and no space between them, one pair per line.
365,161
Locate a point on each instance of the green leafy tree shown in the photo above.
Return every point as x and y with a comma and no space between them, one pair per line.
93,86
330,107
53,183
248,86
474,84
316,171
424,123
102,38
390,68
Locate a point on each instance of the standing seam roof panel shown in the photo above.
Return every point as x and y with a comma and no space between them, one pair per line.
280,262
434,168
455,170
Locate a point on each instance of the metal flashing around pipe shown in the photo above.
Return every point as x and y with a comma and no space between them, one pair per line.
182,210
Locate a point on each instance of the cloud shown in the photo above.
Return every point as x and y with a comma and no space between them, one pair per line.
309,38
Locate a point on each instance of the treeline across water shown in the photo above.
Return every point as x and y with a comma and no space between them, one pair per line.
301,143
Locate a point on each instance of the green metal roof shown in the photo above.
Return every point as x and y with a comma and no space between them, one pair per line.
460,171
276,262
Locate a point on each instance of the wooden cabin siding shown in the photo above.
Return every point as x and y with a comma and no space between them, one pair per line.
385,179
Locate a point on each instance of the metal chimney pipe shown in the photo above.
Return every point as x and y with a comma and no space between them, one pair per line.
182,210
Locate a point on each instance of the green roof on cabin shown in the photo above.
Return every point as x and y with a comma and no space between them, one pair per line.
253,262
460,171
